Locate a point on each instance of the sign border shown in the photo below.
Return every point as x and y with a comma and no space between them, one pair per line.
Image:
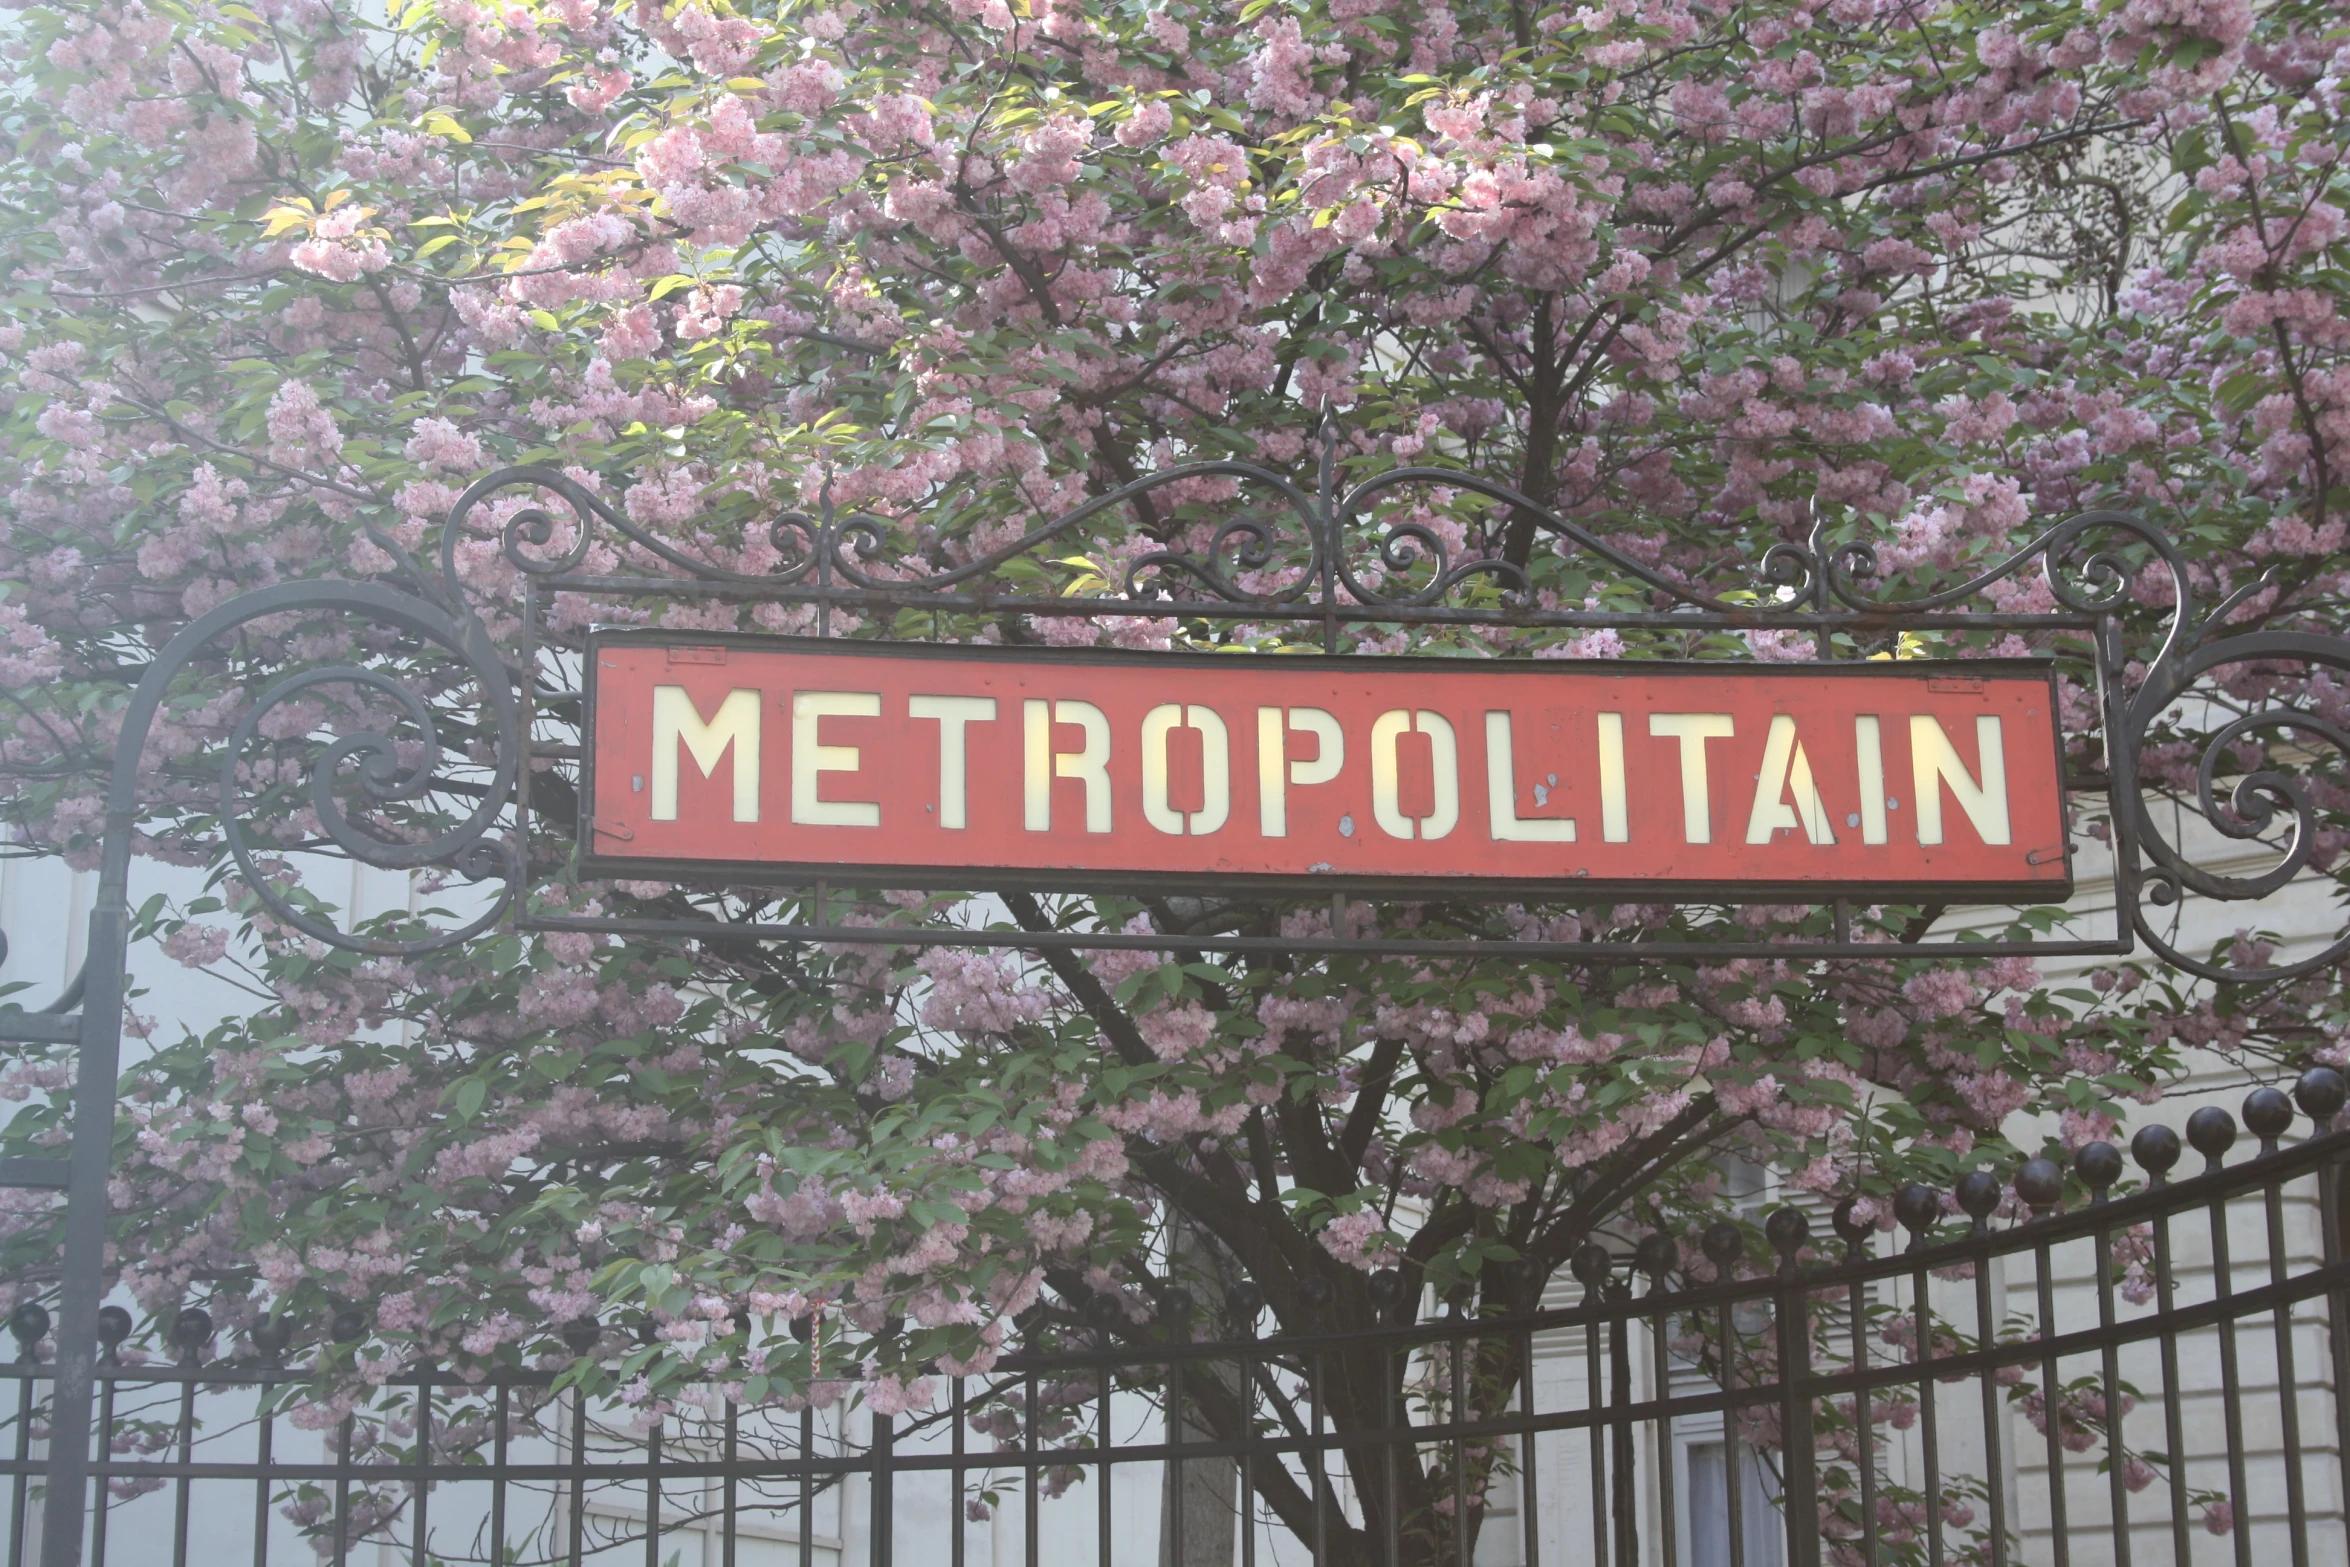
1422,889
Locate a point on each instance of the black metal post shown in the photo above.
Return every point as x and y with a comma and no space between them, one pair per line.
82,1285
1799,1457
884,1452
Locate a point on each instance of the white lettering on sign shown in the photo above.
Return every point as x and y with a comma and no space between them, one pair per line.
1501,789
1869,744
1044,764
809,758
1215,768
1276,772
1387,773
677,723
1784,767
1693,730
953,713
1934,761
1615,816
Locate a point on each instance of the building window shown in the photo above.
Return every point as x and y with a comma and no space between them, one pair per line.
1708,1524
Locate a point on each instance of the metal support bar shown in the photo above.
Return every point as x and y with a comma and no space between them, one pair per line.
1465,950
83,1285
36,1174
40,1028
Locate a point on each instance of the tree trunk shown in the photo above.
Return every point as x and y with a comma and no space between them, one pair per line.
1199,1497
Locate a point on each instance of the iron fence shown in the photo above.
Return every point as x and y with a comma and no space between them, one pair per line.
2071,1366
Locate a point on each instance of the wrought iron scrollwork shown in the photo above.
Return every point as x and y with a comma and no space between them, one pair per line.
1252,543
531,528
369,761
2265,804
2098,583
2088,576
842,549
838,552
1403,546
1819,579
1292,553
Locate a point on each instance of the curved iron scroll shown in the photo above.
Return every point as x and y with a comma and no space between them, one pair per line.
2265,803
846,552
1328,554
370,759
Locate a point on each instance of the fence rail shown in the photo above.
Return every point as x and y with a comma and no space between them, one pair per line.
2150,1376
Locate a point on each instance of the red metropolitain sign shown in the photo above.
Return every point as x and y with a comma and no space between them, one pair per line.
903,764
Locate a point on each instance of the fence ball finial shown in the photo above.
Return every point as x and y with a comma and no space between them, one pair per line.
1242,1302
1978,1195
1849,1229
191,1330
348,1327
1590,1265
581,1335
1657,1256
1918,1207
2321,1092
2268,1114
1787,1229
2156,1148
114,1325
28,1324
271,1336
2211,1132
2040,1183
2099,1165
1724,1245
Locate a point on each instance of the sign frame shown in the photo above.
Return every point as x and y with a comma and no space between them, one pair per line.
595,824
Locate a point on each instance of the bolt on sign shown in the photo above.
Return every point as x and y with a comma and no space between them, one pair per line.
901,764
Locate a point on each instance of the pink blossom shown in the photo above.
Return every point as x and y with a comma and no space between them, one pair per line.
1356,1240
197,946
1048,154
302,432
1145,125
440,445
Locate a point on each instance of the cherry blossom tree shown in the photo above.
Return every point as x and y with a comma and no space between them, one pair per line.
281,278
